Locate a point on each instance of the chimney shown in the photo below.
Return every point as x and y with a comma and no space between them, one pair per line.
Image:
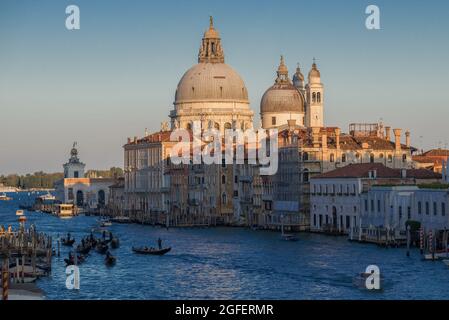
315,137
388,133
397,139
135,139
337,137
407,139
129,140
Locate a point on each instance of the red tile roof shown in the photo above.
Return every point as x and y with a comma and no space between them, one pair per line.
362,171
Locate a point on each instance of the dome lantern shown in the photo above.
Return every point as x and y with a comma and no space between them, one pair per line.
211,50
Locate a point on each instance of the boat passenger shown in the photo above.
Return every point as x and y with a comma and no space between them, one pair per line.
159,243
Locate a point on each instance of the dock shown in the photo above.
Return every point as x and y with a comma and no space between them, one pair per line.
25,255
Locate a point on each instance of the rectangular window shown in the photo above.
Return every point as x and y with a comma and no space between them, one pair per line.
314,220
273,121
76,174
419,207
372,205
400,212
378,205
443,209
409,213
435,209
321,220
427,208
348,222
366,205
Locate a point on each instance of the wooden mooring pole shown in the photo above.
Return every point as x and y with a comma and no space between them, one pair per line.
5,279
408,241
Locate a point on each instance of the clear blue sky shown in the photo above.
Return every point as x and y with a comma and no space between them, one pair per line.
118,74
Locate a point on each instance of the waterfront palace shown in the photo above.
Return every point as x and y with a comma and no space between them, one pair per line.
213,93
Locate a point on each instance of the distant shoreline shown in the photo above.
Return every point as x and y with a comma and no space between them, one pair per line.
13,189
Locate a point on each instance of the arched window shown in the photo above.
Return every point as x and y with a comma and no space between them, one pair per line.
318,97
227,125
371,158
306,176
343,157
189,126
390,158
313,97
404,158
224,198
223,179
332,158
381,156
217,126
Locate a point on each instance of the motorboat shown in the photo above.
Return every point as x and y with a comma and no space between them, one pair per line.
4,197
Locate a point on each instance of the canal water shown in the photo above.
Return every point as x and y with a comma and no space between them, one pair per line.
230,263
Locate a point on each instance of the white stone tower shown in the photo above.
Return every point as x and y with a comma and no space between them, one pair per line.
74,168
315,99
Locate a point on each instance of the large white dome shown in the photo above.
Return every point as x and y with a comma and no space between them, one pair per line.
206,82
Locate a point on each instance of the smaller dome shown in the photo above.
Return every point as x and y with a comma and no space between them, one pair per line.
298,79
282,98
283,95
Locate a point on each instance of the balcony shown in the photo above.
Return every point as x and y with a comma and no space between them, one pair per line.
248,179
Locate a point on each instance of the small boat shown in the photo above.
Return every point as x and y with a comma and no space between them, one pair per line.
105,223
109,260
102,248
115,243
83,250
289,237
71,261
435,256
67,242
47,197
153,251
4,197
27,270
121,220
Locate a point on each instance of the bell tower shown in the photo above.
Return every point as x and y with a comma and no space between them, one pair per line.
315,98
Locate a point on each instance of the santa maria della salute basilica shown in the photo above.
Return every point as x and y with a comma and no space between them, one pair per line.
214,93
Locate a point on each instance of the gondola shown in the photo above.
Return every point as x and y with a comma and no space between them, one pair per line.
109,260
102,248
67,242
157,252
83,250
71,261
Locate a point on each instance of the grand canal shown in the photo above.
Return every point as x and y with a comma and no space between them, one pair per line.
231,263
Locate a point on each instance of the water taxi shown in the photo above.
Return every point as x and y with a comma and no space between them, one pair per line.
65,211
